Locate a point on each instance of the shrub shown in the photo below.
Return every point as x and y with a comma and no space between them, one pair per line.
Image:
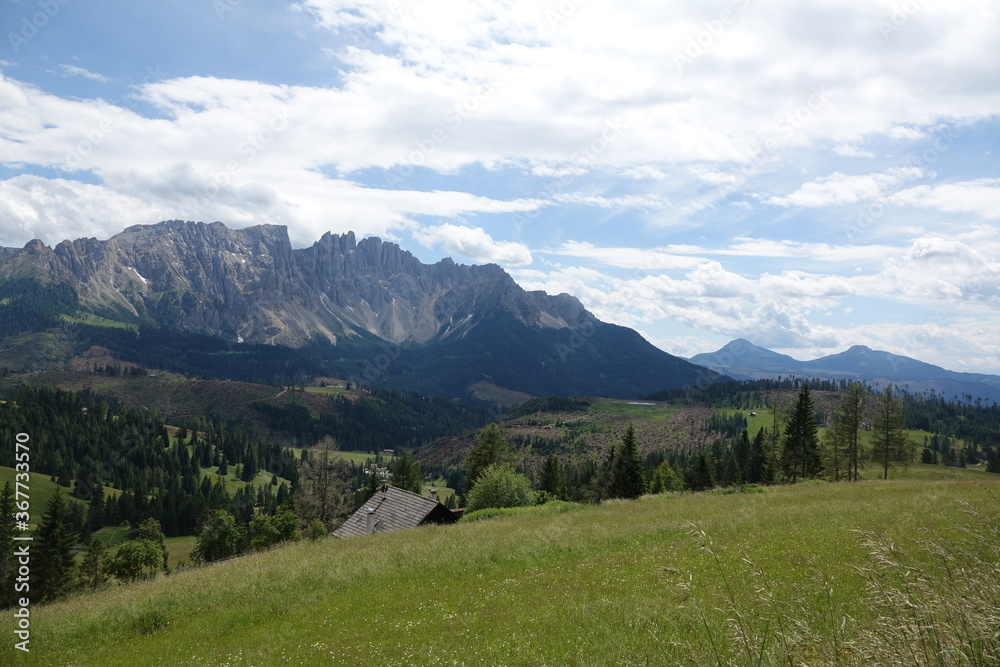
500,486
316,530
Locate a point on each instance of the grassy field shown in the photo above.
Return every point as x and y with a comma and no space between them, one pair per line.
635,409
332,391
781,577
40,491
357,458
98,321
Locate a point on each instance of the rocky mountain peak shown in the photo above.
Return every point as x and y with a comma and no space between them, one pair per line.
250,284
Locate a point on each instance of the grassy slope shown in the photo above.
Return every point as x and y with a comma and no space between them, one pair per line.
591,586
40,491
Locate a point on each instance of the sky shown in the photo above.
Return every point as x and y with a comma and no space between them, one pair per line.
808,175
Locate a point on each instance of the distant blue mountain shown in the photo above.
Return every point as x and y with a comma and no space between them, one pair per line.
743,360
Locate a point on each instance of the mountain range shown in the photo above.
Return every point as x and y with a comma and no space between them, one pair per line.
742,360
204,297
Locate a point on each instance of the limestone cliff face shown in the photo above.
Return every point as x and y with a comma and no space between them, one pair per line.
251,285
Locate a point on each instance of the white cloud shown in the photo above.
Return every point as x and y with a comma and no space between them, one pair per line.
628,258
73,70
847,150
427,94
58,209
981,197
900,132
645,171
474,244
821,252
557,172
651,201
838,189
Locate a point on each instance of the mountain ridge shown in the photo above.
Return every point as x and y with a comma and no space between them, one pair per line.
364,309
743,360
250,285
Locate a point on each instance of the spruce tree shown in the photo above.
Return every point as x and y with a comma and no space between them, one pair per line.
93,569
552,479
757,471
698,476
370,489
844,451
889,442
628,474
491,447
52,571
95,513
801,455
404,473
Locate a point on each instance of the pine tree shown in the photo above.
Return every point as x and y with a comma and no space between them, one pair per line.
757,471
801,456
843,451
889,442
95,513
628,475
698,476
740,460
491,447
371,488
249,468
53,559
324,493
778,416
992,461
93,569
552,479
404,473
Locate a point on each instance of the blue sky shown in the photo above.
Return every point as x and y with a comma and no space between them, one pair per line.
806,175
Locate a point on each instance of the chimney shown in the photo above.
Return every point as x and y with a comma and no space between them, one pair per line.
434,495
371,520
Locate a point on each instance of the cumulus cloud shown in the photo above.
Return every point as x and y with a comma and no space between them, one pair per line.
838,189
473,243
980,197
788,310
588,93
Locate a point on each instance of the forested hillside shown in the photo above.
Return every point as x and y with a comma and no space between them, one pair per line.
86,442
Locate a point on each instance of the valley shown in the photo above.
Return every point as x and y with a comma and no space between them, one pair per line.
170,451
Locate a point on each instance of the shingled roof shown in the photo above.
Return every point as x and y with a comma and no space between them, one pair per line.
395,509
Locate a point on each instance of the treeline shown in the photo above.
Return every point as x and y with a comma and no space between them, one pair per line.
791,450
742,394
975,422
97,443
91,446
549,404
199,355
378,419
27,304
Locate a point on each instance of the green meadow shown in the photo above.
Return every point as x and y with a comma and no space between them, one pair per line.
816,574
